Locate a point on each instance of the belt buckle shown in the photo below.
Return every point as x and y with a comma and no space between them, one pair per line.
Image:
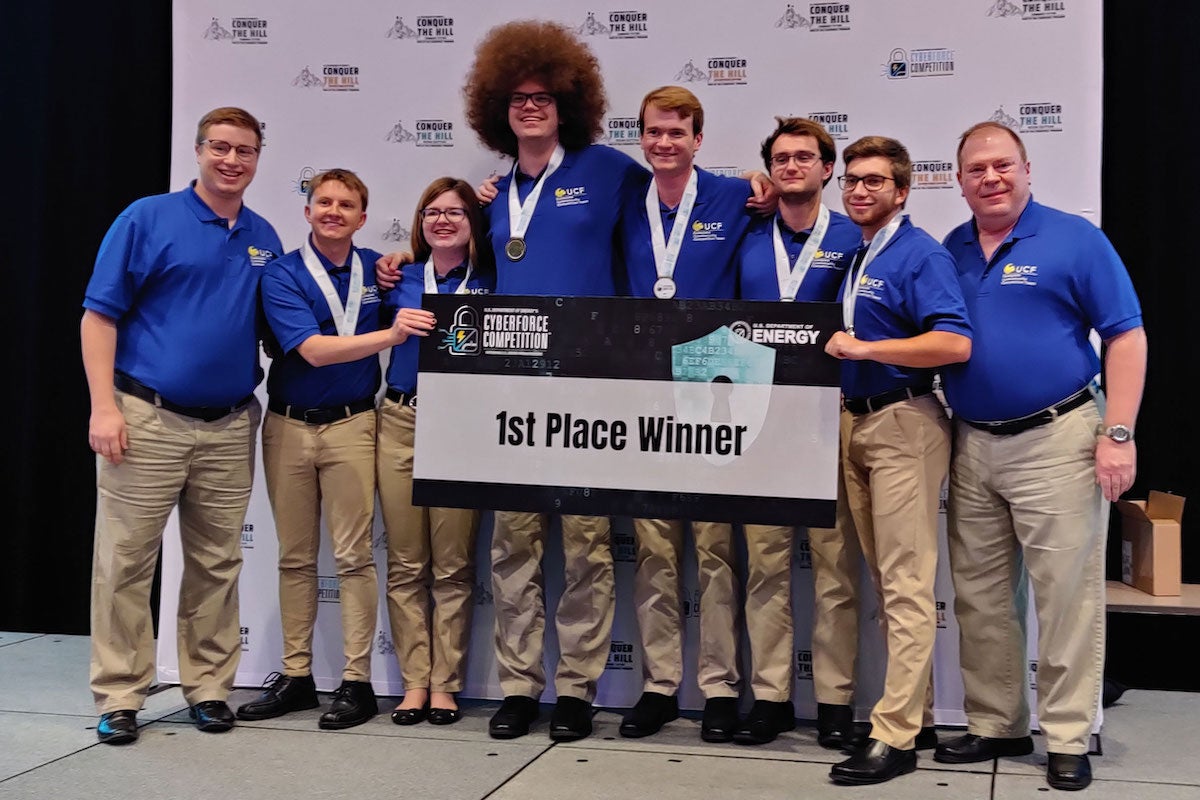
412,401
314,416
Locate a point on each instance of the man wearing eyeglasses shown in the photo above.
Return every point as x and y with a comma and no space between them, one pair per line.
1038,456
170,348
904,318
324,312
800,254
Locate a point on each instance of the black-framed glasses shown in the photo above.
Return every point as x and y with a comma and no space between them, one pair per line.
539,99
451,214
873,183
220,148
802,158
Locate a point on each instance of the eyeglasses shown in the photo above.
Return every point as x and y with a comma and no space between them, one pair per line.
221,148
873,183
539,99
803,158
451,214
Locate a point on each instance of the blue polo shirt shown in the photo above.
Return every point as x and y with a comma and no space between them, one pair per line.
756,259
1032,305
705,268
909,288
296,309
402,370
571,247
182,286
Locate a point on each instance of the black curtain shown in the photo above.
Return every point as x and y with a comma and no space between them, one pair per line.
87,106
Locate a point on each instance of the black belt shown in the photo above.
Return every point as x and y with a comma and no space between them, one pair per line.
403,398
322,416
1021,424
126,384
865,405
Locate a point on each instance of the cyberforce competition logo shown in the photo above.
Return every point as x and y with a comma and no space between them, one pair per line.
501,331
330,78
924,62
933,175
1032,118
241,30
424,133
720,71
616,25
821,17
1040,9
329,589
430,29
622,132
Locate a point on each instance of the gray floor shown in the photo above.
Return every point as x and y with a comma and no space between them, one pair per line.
48,750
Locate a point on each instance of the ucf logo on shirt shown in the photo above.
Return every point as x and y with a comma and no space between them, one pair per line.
708,231
259,256
570,196
1019,275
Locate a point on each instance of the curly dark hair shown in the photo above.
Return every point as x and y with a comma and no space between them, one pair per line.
545,51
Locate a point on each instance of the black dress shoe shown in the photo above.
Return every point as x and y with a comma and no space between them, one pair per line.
720,719
353,704
1068,772
514,717
284,693
876,763
444,716
969,749
835,726
212,716
765,721
927,738
571,720
649,714
118,727
410,716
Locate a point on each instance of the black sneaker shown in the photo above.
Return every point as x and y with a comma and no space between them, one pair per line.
117,727
353,704
284,694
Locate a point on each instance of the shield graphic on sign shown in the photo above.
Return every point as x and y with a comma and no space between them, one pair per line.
723,378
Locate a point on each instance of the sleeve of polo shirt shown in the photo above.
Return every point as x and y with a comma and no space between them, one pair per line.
288,311
936,296
118,272
1106,291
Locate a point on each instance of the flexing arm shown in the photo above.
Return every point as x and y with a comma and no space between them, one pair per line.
1124,379
929,349
106,427
320,350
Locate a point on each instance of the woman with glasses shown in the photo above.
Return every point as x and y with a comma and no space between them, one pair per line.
431,572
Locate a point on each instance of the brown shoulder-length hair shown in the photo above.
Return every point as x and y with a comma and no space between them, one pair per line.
479,249
544,51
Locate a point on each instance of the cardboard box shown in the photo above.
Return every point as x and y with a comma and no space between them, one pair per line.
1150,543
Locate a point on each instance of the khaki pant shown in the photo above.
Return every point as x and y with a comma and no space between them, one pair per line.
837,568
657,595
431,560
206,468
312,470
585,610
769,610
895,461
1028,505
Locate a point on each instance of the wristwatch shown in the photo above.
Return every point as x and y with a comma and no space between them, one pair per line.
1118,433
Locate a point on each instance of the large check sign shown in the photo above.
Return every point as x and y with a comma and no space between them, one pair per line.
688,409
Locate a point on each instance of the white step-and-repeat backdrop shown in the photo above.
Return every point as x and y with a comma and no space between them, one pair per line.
376,87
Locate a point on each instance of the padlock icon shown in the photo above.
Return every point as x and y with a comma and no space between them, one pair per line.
464,332
898,64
